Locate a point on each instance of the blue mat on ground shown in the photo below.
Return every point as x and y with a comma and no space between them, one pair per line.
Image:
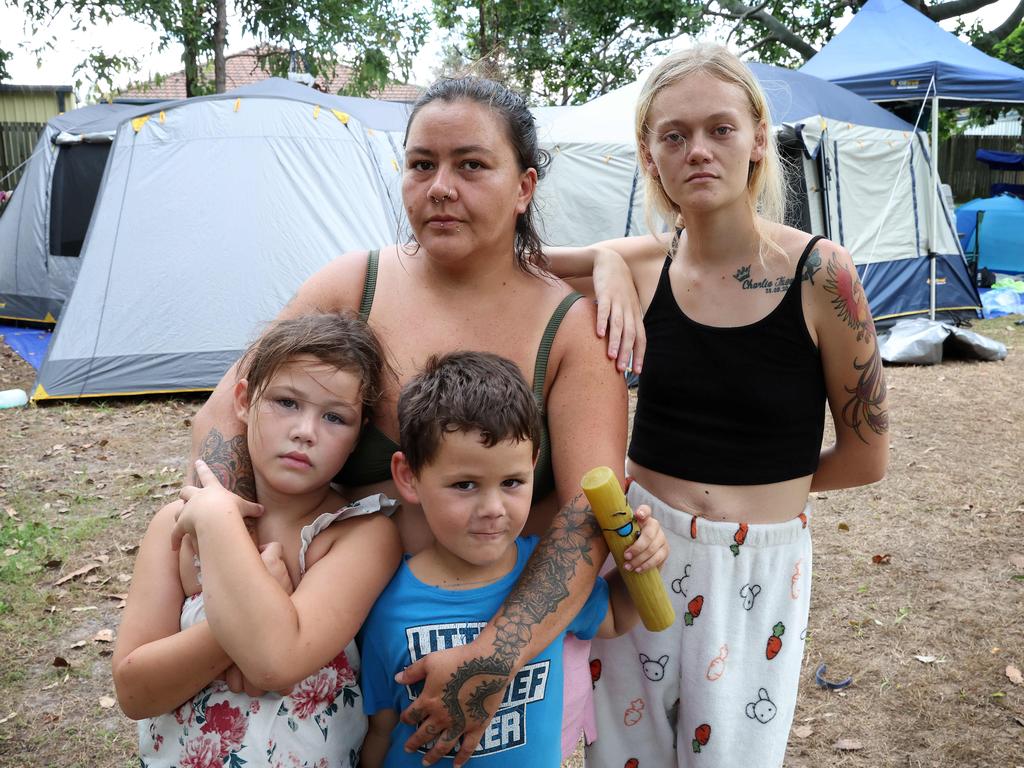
29,343
997,302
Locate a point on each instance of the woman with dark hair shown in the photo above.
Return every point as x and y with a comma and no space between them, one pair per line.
473,278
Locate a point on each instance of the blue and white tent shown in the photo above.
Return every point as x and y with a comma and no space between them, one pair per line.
892,52
861,176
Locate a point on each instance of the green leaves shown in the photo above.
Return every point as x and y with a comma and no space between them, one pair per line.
378,39
564,52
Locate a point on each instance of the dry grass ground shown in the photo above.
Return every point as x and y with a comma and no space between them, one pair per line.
927,637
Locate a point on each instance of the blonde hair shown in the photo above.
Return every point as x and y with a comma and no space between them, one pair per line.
766,185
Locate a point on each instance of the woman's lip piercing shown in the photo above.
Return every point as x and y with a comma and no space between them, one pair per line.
438,201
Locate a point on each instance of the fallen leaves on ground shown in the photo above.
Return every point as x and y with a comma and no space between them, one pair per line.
1014,675
75,574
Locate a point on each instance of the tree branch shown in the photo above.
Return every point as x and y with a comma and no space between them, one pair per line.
776,28
951,8
758,44
988,41
742,19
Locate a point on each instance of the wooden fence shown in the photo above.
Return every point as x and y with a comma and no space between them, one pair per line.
17,141
968,177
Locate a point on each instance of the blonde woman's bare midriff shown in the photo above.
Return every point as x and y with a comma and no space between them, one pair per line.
752,504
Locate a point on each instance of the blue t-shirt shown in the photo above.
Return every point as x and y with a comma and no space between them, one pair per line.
411,619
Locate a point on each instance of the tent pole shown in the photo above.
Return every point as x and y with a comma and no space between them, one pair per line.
933,240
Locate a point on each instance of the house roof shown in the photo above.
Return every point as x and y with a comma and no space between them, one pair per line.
244,68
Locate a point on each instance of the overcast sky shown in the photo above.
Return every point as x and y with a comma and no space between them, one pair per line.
129,38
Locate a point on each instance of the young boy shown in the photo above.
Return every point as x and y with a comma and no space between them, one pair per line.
469,437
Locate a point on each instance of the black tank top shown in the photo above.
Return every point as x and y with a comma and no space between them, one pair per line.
729,406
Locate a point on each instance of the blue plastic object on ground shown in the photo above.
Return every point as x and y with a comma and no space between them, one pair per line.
819,678
30,343
997,302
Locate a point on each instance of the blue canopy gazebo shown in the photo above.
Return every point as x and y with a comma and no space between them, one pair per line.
890,52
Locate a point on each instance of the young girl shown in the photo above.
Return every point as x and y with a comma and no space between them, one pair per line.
273,593
752,327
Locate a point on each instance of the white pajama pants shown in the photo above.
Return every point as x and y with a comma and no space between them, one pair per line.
717,688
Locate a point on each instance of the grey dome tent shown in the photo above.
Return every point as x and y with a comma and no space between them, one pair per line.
44,224
211,213
859,175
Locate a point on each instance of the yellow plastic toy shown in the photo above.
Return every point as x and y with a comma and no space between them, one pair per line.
618,524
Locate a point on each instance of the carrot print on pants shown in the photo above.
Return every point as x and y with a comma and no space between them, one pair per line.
701,736
634,713
693,609
739,537
775,641
717,666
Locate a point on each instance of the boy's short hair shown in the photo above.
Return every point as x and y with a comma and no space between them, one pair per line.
465,392
338,339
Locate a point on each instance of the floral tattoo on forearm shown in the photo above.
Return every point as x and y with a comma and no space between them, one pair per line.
229,460
539,592
866,406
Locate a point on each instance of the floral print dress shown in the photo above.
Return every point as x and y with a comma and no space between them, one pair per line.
320,724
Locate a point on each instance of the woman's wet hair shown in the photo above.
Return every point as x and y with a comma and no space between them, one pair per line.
521,131
766,182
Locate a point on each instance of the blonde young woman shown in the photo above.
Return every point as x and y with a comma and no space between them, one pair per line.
751,327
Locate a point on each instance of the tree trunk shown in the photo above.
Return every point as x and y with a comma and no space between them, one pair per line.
190,56
191,59
220,32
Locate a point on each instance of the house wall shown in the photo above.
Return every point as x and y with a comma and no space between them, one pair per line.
24,111
26,104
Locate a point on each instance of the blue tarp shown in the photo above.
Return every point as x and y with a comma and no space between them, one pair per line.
29,343
890,52
997,302
1000,161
